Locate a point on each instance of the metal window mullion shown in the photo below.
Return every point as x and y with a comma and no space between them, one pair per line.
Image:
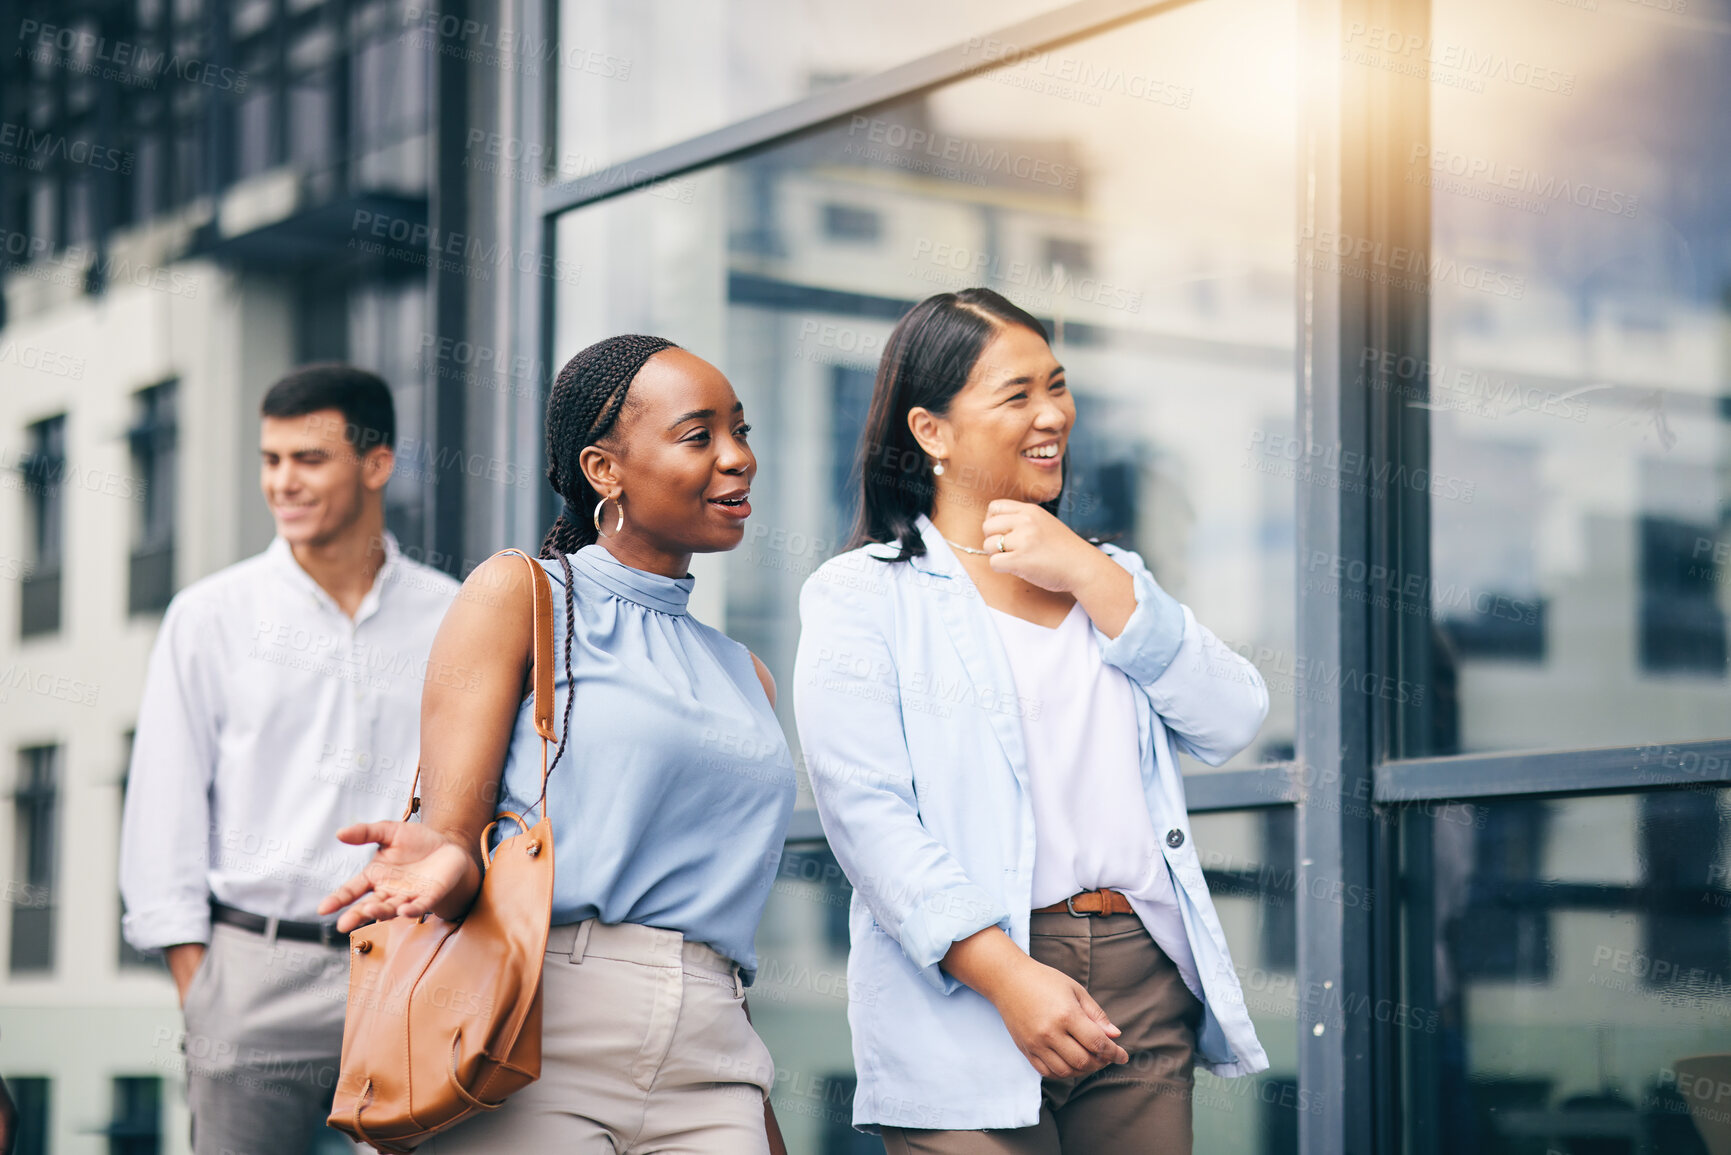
1336,827
1260,786
1655,766
1401,653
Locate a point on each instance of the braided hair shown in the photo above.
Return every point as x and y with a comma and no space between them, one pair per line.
584,406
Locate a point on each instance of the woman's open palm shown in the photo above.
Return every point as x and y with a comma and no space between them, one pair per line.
415,867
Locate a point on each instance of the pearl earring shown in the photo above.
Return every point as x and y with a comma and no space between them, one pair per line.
938,468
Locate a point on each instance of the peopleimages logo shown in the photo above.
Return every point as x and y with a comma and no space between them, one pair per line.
963,266
971,156
42,359
89,54
1401,267
36,149
1458,65
1542,186
73,265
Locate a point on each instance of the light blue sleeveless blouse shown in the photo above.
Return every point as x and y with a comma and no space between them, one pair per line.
671,803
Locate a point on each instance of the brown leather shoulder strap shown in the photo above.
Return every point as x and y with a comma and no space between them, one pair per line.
542,673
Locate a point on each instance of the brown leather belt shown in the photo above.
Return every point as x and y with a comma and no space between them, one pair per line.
1090,902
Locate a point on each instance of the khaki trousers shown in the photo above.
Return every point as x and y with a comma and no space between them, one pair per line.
1142,1106
645,1047
264,1034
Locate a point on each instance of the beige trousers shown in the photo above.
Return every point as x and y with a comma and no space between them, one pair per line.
644,1048
1138,1108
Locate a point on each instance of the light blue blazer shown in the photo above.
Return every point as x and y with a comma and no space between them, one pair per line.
912,736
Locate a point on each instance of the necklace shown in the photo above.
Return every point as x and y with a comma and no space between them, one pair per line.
966,548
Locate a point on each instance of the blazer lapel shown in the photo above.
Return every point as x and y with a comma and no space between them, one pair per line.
969,625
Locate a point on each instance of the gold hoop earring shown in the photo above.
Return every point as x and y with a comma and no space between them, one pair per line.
602,504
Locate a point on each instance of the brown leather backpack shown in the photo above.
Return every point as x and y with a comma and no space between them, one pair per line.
444,1018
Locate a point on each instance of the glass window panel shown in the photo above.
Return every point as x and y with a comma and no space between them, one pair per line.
385,321
36,807
249,17
799,1002
154,436
616,59
32,1096
391,78
311,103
1568,960
1170,297
1247,857
136,1128
1582,567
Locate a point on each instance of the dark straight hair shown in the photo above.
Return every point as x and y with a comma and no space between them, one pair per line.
363,398
927,360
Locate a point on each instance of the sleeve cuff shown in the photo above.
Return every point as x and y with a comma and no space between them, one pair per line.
1152,636
165,926
940,921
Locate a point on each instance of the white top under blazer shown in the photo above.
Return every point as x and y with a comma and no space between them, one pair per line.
1092,829
913,735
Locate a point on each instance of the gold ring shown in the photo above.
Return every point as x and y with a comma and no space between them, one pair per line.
1002,548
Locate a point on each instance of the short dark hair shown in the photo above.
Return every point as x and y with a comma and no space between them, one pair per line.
927,359
363,398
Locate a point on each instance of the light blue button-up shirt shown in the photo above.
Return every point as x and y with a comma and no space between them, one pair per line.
671,803
912,734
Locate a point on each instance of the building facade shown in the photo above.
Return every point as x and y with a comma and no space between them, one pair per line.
194,198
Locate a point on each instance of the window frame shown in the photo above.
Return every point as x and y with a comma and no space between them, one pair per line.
154,443
37,799
43,476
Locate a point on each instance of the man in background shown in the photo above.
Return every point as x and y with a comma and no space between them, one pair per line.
282,702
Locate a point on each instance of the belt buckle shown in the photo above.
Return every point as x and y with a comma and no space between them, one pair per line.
1070,905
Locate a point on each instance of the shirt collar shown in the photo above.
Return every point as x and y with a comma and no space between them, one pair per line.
282,556
939,559
668,595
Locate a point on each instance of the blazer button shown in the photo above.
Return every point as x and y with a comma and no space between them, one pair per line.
1174,838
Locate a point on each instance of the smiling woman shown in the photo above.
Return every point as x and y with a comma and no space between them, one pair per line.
640,415
668,814
1048,792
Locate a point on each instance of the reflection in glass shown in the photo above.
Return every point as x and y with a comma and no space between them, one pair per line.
1134,191
1247,858
799,1003
1581,569
1142,210
1569,960
730,59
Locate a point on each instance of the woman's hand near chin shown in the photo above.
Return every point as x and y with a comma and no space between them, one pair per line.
1037,547
1043,551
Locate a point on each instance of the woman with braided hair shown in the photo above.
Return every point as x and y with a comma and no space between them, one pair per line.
668,812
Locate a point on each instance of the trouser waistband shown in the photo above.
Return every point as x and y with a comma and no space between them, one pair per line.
324,933
629,942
